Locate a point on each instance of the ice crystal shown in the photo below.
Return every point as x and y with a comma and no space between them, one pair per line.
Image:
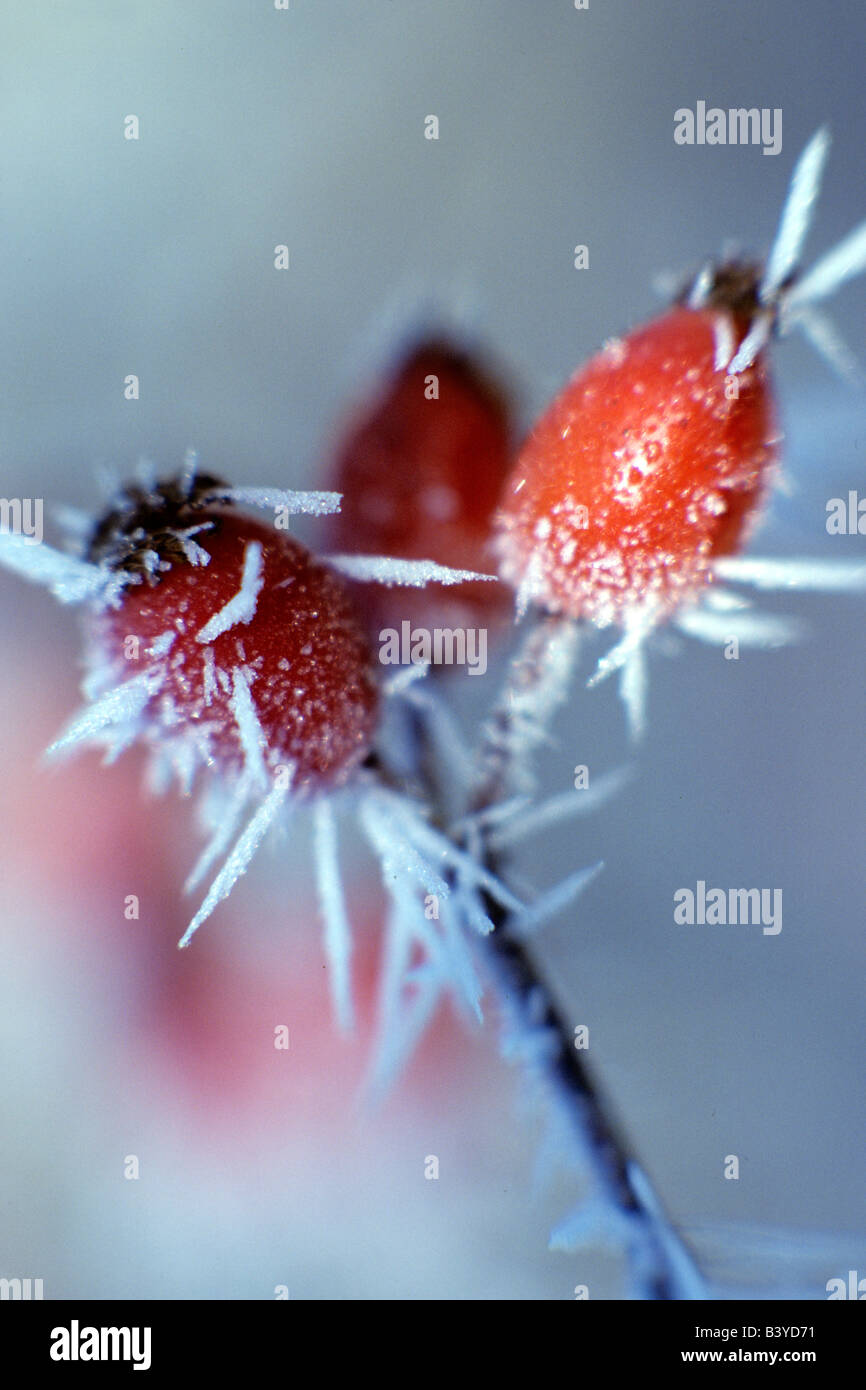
241,608
414,574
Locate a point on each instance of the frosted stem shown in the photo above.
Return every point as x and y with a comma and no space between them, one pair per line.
659,1264
529,1008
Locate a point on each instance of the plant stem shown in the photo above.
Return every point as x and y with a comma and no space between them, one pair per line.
537,685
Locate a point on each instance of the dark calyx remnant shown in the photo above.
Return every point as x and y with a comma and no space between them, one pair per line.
735,286
146,523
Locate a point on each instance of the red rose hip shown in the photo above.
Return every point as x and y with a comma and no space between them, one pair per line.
651,463
257,657
421,471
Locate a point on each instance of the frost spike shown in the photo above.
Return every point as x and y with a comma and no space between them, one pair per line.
458,962
828,342
752,629
819,576
557,808
499,813
250,731
638,626
846,260
756,338
270,498
593,1221
69,579
724,343
452,754
469,905
242,607
689,1282
121,705
222,833
395,848
549,904
633,689
401,1022
338,934
239,859
188,472
413,574
423,837
399,683
796,215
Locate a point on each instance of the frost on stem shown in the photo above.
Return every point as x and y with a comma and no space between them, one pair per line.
576,1134
538,682
428,949
426,956
593,1221
550,904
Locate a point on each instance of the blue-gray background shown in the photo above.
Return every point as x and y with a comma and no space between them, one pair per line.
155,257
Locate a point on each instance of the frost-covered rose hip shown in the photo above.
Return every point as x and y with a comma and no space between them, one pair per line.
650,464
257,655
648,471
644,478
228,649
421,470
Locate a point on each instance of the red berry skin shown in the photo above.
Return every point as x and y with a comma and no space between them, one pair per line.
420,479
307,661
670,458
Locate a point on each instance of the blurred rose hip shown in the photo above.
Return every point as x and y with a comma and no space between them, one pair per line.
421,470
